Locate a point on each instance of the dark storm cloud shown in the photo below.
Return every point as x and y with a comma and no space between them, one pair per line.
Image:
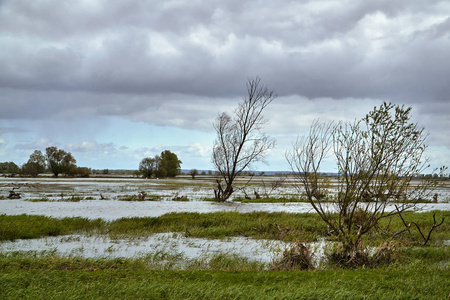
315,49
173,62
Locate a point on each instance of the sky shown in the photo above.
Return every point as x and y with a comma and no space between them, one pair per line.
113,82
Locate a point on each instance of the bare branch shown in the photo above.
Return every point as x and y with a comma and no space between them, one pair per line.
240,141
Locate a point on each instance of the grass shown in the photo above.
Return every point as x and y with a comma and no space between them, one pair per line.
419,272
305,227
280,226
147,197
72,198
50,277
271,200
39,200
31,227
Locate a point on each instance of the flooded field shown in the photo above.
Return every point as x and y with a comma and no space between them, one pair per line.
115,198
175,244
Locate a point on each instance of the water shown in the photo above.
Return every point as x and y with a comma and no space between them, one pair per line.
112,189
191,248
112,209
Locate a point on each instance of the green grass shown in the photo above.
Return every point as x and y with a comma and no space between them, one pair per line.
31,227
306,227
73,198
282,226
51,277
271,200
136,198
39,200
418,273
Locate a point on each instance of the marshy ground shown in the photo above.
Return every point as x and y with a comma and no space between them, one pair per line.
94,237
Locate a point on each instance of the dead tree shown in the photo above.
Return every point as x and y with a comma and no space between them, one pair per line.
141,196
13,194
426,238
240,140
433,227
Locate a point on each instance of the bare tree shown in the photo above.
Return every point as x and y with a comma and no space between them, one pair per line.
377,158
240,140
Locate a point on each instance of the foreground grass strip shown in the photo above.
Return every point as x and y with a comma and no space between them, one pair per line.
414,281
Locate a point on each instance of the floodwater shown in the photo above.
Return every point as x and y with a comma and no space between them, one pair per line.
58,192
55,201
189,248
113,209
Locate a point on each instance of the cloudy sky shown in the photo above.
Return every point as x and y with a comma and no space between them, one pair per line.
116,81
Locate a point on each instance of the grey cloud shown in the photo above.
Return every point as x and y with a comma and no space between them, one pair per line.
91,147
177,63
39,144
313,49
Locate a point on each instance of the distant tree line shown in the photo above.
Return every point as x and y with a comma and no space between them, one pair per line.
60,162
56,161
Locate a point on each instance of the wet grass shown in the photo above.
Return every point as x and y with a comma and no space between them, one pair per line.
31,227
271,200
71,198
290,227
147,197
39,200
51,277
418,273
263,225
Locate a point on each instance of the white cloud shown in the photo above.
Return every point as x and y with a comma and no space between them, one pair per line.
38,144
178,63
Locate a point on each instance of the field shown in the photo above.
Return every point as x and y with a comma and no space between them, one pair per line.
96,237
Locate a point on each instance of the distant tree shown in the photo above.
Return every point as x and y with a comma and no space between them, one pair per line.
165,165
193,173
169,165
203,173
60,161
240,140
83,171
29,169
35,164
149,166
9,168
